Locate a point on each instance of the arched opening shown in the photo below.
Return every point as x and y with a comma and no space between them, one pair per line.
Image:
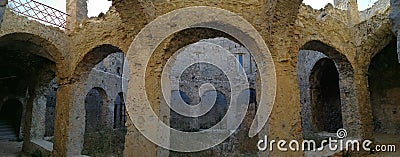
327,92
325,97
94,102
192,77
99,76
384,88
156,51
27,68
10,120
119,111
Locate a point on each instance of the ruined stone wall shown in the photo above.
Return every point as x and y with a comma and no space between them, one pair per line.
378,7
351,8
341,4
335,13
371,36
107,29
384,88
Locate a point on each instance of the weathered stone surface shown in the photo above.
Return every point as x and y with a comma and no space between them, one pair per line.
378,7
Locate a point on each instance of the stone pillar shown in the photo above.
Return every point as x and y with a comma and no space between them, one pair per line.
77,11
61,121
353,16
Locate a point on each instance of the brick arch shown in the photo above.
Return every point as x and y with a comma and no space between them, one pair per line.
351,115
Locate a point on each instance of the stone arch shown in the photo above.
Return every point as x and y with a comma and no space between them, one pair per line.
52,39
30,63
141,51
50,51
366,51
84,78
310,53
91,58
325,97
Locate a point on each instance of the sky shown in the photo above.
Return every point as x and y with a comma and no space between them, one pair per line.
318,4
95,7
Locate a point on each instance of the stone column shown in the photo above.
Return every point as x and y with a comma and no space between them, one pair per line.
77,11
61,122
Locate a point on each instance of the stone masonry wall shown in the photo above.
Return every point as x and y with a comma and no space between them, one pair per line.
378,7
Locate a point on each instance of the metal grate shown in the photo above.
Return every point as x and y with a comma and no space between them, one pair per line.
39,11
